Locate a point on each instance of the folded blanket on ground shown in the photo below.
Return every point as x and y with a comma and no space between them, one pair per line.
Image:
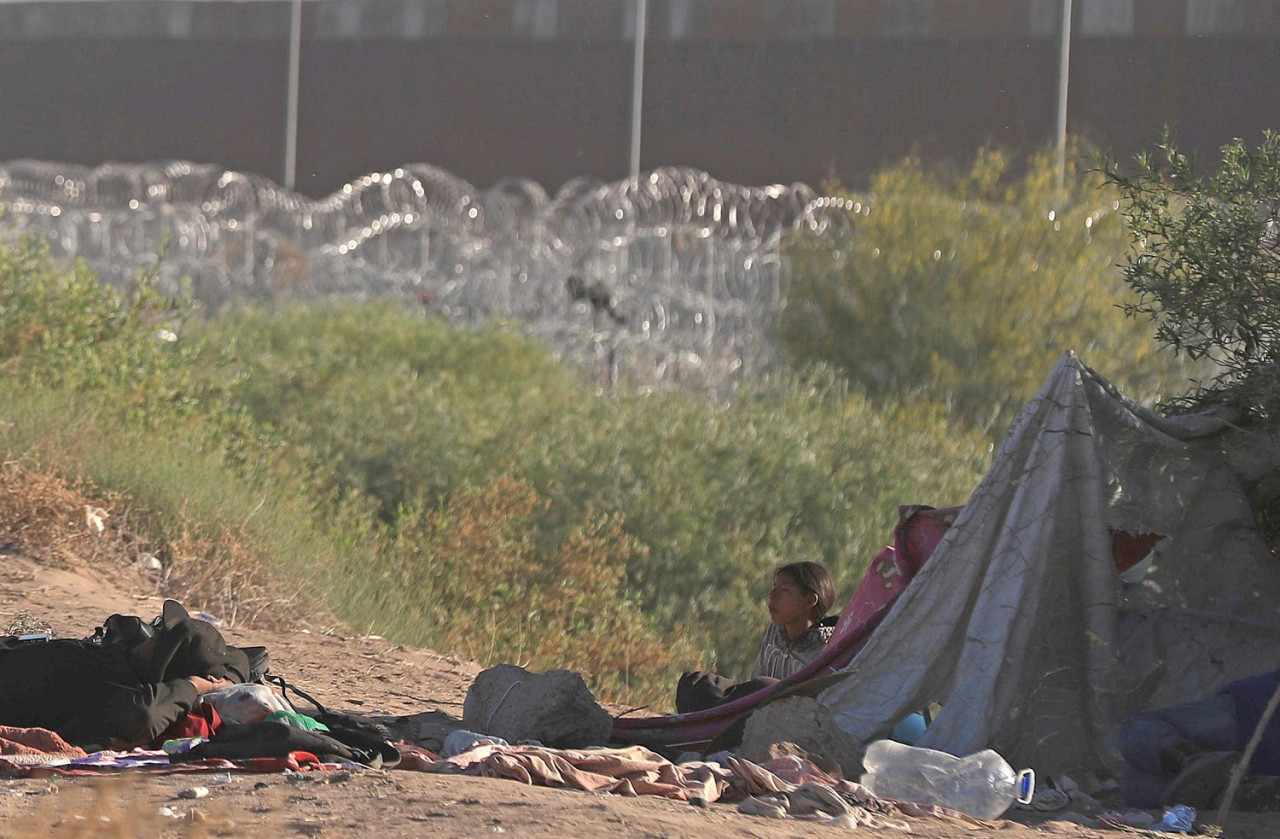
785,787
35,745
633,770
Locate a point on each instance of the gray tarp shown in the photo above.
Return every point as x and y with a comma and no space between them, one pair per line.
1019,625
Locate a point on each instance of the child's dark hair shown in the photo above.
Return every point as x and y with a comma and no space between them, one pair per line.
814,578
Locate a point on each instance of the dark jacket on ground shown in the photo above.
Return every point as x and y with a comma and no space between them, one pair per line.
88,693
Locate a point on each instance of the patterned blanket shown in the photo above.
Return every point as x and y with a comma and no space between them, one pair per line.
784,787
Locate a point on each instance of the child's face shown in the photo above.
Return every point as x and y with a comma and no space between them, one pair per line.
788,602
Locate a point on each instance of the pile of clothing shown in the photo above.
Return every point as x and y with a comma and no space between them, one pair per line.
172,685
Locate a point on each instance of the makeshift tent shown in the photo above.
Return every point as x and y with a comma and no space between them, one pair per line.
1021,626
1108,562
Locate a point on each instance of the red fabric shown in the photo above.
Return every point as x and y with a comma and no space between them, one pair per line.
297,761
415,757
919,531
202,721
1128,550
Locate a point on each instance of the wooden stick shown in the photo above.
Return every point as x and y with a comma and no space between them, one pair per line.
1237,774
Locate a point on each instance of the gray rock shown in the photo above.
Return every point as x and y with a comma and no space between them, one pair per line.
554,708
803,722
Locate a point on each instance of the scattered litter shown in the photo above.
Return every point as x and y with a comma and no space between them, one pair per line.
334,777
193,792
27,625
94,518
168,813
1179,819
150,564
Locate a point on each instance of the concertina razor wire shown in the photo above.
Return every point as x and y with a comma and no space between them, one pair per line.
676,276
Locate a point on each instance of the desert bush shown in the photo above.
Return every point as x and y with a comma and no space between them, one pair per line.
1205,267
965,287
225,544
61,326
472,577
43,516
410,476
1206,264
720,494
408,411
394,405
99,393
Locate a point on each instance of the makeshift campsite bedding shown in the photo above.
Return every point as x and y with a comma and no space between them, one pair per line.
1021,627
919,530
76,762
629,771
37,744
784,787
37,751
153,761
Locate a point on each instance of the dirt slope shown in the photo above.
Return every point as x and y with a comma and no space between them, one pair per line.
369,675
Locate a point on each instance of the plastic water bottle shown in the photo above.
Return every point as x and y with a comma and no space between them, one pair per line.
982,785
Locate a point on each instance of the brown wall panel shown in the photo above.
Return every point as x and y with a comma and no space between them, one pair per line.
554,110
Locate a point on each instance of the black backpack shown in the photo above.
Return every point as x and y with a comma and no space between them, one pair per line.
128,631
359,732
247,741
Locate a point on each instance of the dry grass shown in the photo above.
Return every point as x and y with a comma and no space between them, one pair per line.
60,523
45,518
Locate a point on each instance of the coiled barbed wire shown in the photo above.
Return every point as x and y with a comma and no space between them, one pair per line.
692,266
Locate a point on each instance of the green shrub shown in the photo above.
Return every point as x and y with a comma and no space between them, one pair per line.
61,326
414,476
99,387
966,287
471,577
1206,264
721,494
409,411
395,406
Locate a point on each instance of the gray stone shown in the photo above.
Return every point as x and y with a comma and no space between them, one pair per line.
554,708
805,723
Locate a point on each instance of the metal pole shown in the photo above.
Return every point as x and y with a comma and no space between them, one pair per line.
1064,61
637,89
291,113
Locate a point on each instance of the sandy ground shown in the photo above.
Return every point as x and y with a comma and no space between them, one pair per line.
370,675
